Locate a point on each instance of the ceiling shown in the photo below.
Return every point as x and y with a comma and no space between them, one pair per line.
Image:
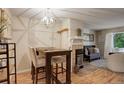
95,18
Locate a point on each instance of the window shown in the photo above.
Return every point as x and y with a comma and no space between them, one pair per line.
119,40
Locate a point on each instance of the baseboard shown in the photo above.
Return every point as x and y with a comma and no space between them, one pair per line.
22,71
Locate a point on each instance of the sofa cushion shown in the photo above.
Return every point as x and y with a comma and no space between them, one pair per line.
86,51
96,50
91,50
94,55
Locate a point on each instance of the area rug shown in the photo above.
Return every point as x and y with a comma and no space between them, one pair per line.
99,63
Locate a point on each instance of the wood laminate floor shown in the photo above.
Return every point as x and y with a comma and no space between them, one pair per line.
90,74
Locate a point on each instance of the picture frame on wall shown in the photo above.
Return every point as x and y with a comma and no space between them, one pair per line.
88,37
91,37
79,31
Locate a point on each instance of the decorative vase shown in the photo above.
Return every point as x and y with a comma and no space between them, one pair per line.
78,32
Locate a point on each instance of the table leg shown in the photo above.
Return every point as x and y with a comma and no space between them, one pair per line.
48,69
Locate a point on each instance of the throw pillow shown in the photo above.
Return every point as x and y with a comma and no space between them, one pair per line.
86,51
91,50
96,50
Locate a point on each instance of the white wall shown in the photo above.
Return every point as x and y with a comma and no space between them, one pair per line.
30,33
26,35
42,36
20,37
89,31
75,24
64,40
65,35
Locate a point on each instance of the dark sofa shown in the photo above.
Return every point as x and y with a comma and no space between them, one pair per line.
89,54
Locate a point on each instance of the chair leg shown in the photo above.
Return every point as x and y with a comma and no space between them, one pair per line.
52,73
89,60
62,67
33,73
36,76
43,69
56,71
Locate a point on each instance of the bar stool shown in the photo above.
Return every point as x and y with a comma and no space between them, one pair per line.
58,61
37,65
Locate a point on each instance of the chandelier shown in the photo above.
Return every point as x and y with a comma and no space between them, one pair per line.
48,17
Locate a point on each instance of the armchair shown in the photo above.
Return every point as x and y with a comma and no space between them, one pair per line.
91,53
